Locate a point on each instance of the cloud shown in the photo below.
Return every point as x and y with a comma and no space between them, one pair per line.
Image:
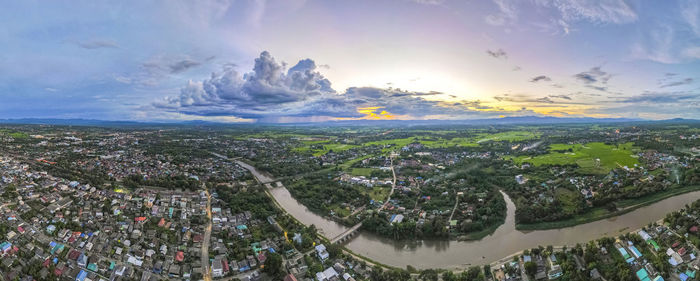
428,2
544,100
497,53
517,68
183,65
685,81
540,78
565,11
690,12
595,74
661,97
608,11
560,97
507,13
271,91
595,78
691,52
98,44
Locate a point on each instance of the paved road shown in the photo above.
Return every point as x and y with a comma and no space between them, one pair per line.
205,243
393,184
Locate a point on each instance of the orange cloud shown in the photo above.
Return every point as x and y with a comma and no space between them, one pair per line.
372,114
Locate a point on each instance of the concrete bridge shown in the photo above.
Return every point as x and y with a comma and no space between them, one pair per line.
347,235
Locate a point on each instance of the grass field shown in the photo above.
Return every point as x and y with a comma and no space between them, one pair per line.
325,147
378,193
569,199
585,156
507,136
320,147
361,172
14,134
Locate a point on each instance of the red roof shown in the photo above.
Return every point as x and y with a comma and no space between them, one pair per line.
139,218
161,222
694,229
681,251
74,254
179,256
290,277
197,238
224,263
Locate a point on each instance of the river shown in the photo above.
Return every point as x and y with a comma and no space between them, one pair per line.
505,241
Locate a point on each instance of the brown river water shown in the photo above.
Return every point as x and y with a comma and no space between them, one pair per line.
505,241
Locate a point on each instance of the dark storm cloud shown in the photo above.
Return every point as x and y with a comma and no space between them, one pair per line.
540,78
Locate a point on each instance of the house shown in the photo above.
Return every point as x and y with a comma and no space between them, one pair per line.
327,274
290,277
217,269
321,251
555,272
179,256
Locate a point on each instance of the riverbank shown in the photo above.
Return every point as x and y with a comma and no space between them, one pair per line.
600,213
459,255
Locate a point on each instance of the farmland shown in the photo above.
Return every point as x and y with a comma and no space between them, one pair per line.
593,158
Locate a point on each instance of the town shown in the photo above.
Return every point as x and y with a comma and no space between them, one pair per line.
182,203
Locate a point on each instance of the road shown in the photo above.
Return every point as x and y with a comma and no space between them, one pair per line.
454,209
393,184
207,237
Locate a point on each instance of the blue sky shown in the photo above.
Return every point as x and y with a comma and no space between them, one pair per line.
295,60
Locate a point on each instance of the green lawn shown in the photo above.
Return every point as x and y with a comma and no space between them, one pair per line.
586,156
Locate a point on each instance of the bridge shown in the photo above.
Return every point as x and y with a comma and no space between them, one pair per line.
345,236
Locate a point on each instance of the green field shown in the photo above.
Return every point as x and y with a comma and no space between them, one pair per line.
585,156
319,147
507,136
378,193
367,172
14,134
569,199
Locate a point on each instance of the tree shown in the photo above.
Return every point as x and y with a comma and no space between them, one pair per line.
428,275
449,276
530,268
273,266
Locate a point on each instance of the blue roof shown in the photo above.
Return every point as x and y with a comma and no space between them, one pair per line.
81,276
683,276
635,251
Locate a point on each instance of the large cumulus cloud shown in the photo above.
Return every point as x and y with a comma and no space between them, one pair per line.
271,90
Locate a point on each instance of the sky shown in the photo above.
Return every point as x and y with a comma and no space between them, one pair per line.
306,60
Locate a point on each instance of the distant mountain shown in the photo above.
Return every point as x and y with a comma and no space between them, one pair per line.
522,120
